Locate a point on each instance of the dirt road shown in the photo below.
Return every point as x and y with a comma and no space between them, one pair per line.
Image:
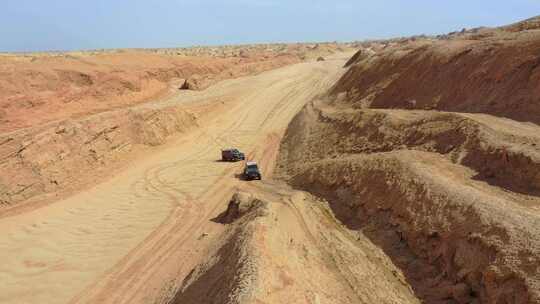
123,240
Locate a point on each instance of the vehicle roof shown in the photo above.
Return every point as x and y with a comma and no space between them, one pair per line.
251,163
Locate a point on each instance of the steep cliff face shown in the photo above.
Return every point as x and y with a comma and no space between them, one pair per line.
493,72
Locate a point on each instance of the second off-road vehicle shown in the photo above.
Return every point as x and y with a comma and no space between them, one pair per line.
232,155
251,171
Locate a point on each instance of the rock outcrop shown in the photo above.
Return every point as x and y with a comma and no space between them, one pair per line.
63,155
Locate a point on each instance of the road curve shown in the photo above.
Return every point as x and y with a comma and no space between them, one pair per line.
126,240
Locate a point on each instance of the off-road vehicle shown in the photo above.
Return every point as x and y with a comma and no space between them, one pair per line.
251,171
232,155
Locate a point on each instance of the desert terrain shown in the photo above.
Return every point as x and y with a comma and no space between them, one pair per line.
394,171
43,87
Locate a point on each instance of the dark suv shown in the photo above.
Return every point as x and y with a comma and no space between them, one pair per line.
251,171
232,155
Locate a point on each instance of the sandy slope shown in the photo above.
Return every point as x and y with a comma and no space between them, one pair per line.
41,87
419,150
285,246
492,71
452,198
123,240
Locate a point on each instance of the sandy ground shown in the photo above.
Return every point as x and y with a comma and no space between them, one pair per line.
123,240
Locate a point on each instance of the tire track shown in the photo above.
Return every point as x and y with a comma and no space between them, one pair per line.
153,180
331,262
198,193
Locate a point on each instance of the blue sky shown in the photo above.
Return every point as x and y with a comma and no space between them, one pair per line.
32,25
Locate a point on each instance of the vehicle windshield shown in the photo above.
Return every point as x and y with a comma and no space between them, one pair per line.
252,168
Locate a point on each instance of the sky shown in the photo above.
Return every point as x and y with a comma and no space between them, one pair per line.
38,25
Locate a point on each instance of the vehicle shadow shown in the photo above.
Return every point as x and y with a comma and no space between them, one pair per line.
240,176
221,218
226,161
